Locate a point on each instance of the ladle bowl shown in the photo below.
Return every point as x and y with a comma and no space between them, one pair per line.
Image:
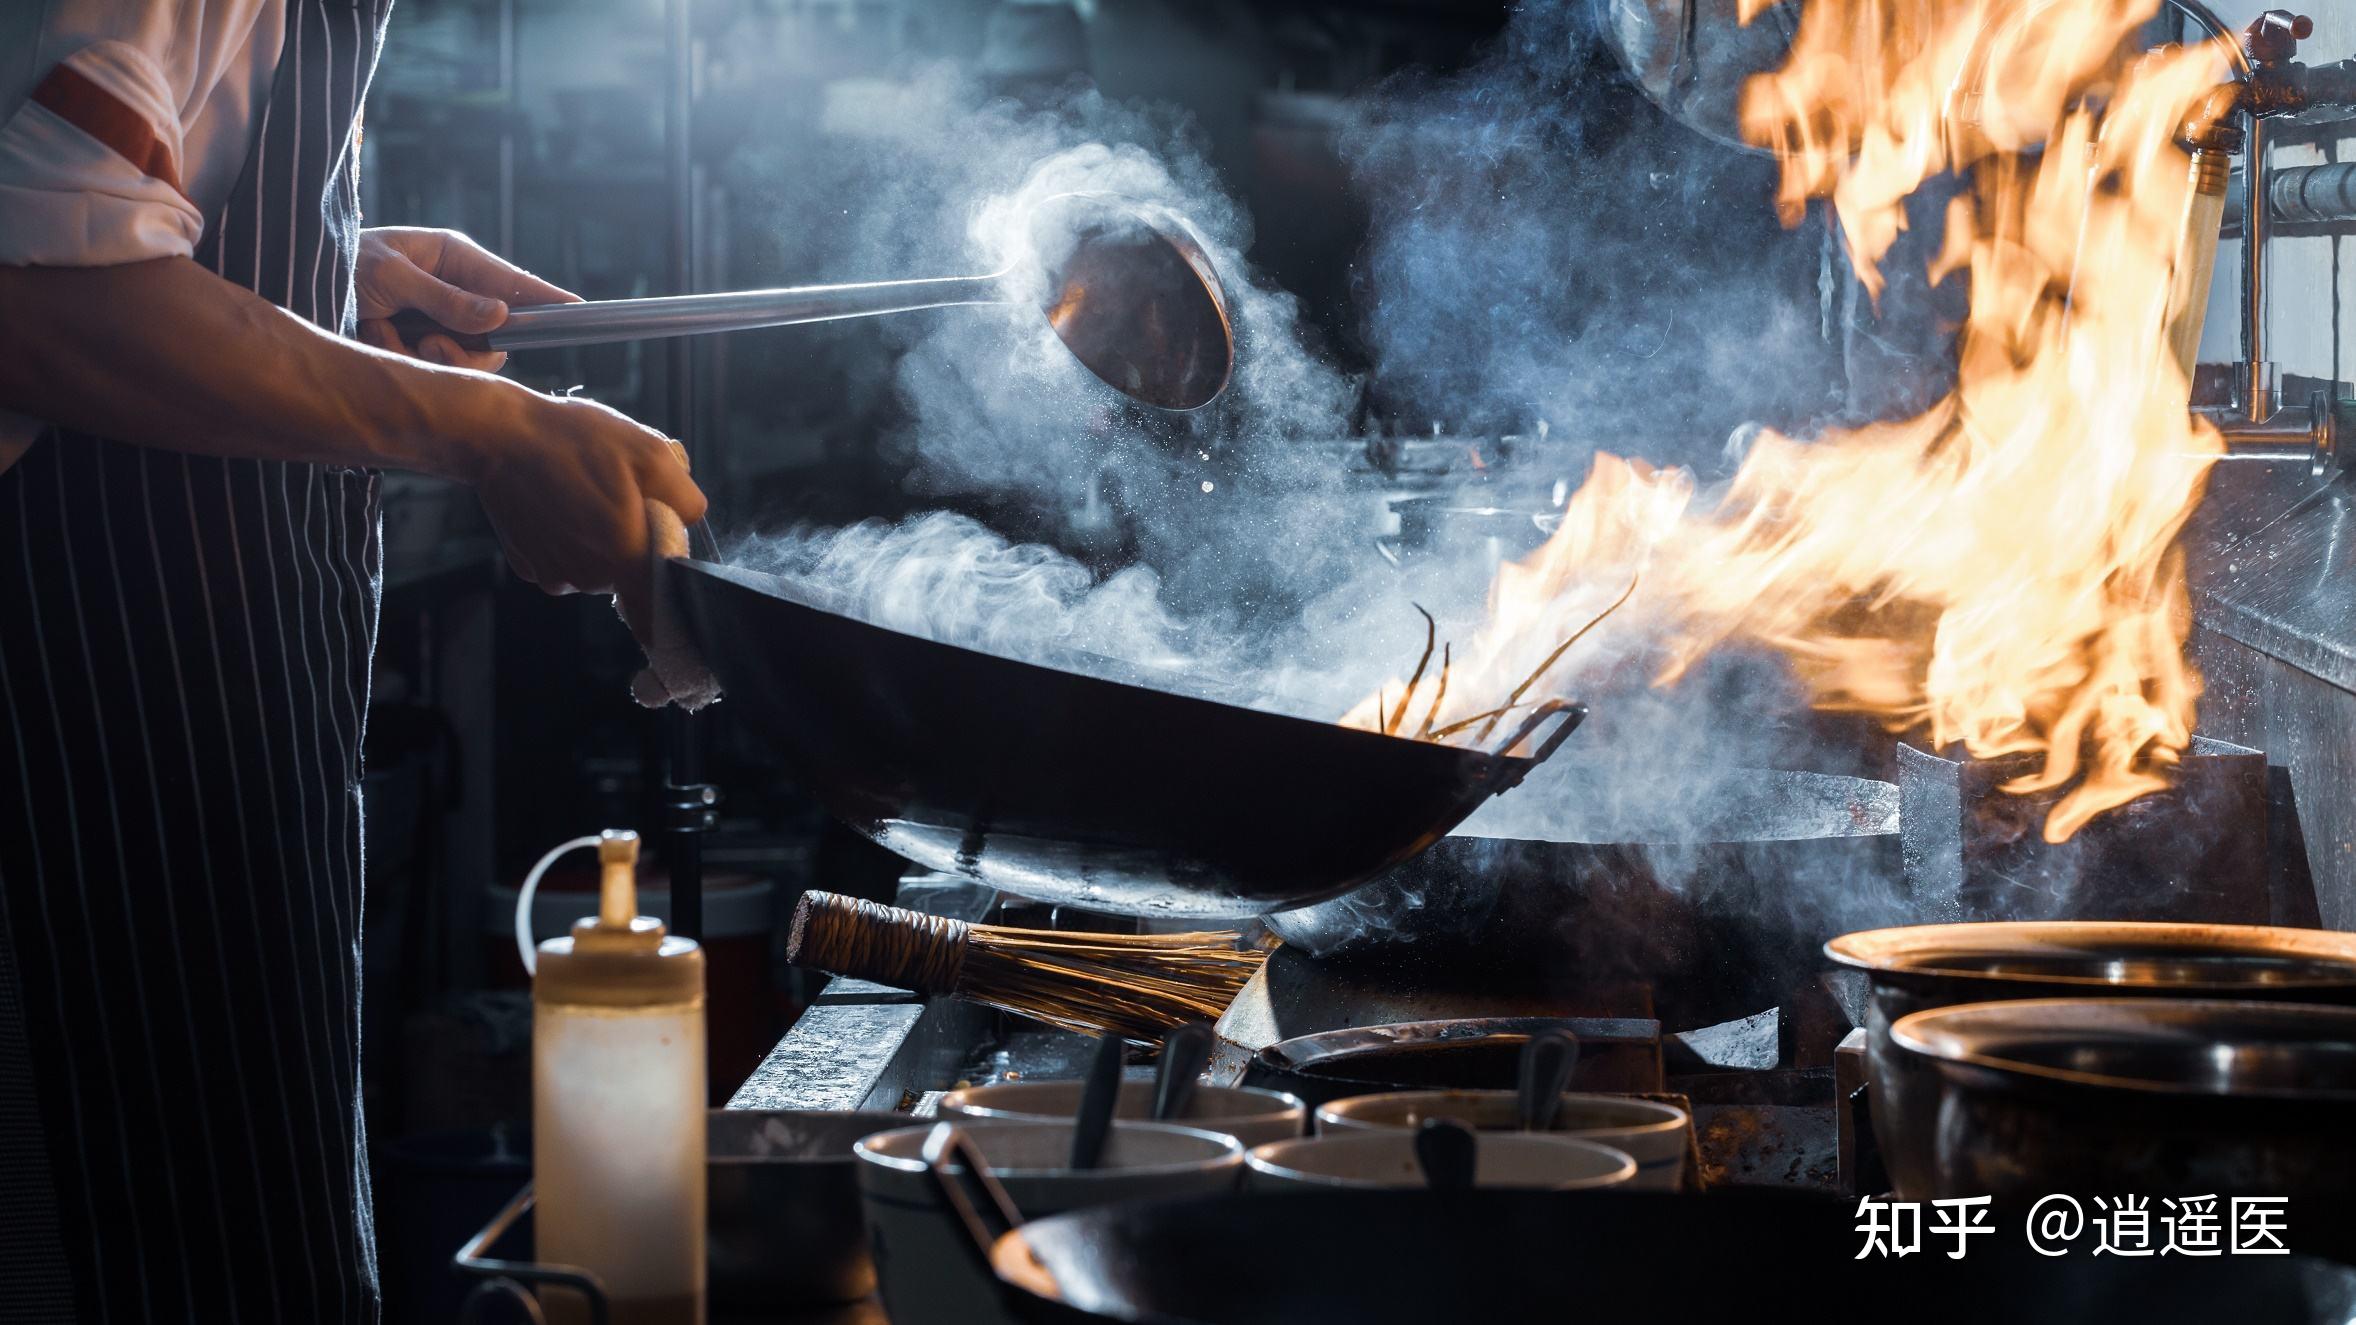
1125,285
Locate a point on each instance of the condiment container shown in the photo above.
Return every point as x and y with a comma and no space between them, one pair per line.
618,1113
1652,1133
928,1268
1545,1161
1249,1114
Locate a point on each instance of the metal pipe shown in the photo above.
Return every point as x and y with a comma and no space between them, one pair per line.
2288,436
2257,384
2207,18
2305,195
2310,436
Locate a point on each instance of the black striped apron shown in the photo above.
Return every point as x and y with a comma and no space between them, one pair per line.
184,652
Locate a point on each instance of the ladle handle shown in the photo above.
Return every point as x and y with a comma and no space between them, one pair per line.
972,1192
603,321
1448,1154
1100,1094
1547,1062
1186,1051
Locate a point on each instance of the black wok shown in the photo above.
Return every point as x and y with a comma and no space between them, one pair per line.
1373,1258
1066,786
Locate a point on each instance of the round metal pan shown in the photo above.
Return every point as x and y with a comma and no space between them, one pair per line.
1460,1053
1375,1258
1069,787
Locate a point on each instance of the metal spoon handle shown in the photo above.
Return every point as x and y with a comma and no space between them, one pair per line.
1186,1051
1547,1062
601,321
1448,1154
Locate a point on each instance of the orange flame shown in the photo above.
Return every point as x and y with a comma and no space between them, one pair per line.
2002,569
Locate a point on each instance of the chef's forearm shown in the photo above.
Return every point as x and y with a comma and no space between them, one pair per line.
167,354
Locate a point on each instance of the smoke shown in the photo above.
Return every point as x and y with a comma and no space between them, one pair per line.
1548,245
1545,247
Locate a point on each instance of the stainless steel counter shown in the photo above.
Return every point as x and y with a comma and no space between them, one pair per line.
2272,558
862,1045
2273,565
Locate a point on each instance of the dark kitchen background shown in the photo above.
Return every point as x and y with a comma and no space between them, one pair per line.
501,721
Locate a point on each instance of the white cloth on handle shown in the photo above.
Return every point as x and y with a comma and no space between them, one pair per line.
675,671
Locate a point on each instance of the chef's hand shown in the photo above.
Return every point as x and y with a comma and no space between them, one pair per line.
566,486
449,278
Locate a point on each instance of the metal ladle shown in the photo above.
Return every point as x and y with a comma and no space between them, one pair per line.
1124,285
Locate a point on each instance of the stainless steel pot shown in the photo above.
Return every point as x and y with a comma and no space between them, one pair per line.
1921,967
2150,1097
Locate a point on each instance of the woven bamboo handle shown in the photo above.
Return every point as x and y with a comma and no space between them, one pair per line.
870,941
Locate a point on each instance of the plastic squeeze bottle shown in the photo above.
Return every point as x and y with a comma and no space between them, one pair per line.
618,1106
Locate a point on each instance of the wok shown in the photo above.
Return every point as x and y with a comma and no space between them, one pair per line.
1062,784
1920,967
1717,904
2155,1096
1373,1258
1461,1053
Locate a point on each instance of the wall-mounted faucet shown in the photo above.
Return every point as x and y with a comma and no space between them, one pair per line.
2267,82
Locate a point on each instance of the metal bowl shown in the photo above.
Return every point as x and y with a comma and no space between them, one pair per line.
2150,1096
1921,967
783,1206
1063,785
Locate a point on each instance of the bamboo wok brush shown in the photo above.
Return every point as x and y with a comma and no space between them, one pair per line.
1136,986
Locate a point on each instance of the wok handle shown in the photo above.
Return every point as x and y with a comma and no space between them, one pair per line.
414,326
973,1193
602,321
1570,715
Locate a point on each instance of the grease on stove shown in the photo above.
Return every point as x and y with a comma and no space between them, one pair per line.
1768,1146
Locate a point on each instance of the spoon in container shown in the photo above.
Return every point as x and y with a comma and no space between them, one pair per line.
1448,1154
1102,1090
1546,1064
1124,284
1186,1051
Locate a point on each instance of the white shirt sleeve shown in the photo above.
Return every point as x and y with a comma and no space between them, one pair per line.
111,118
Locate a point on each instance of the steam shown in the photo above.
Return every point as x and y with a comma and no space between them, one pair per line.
1538,253
945,577
991,409
1547,245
